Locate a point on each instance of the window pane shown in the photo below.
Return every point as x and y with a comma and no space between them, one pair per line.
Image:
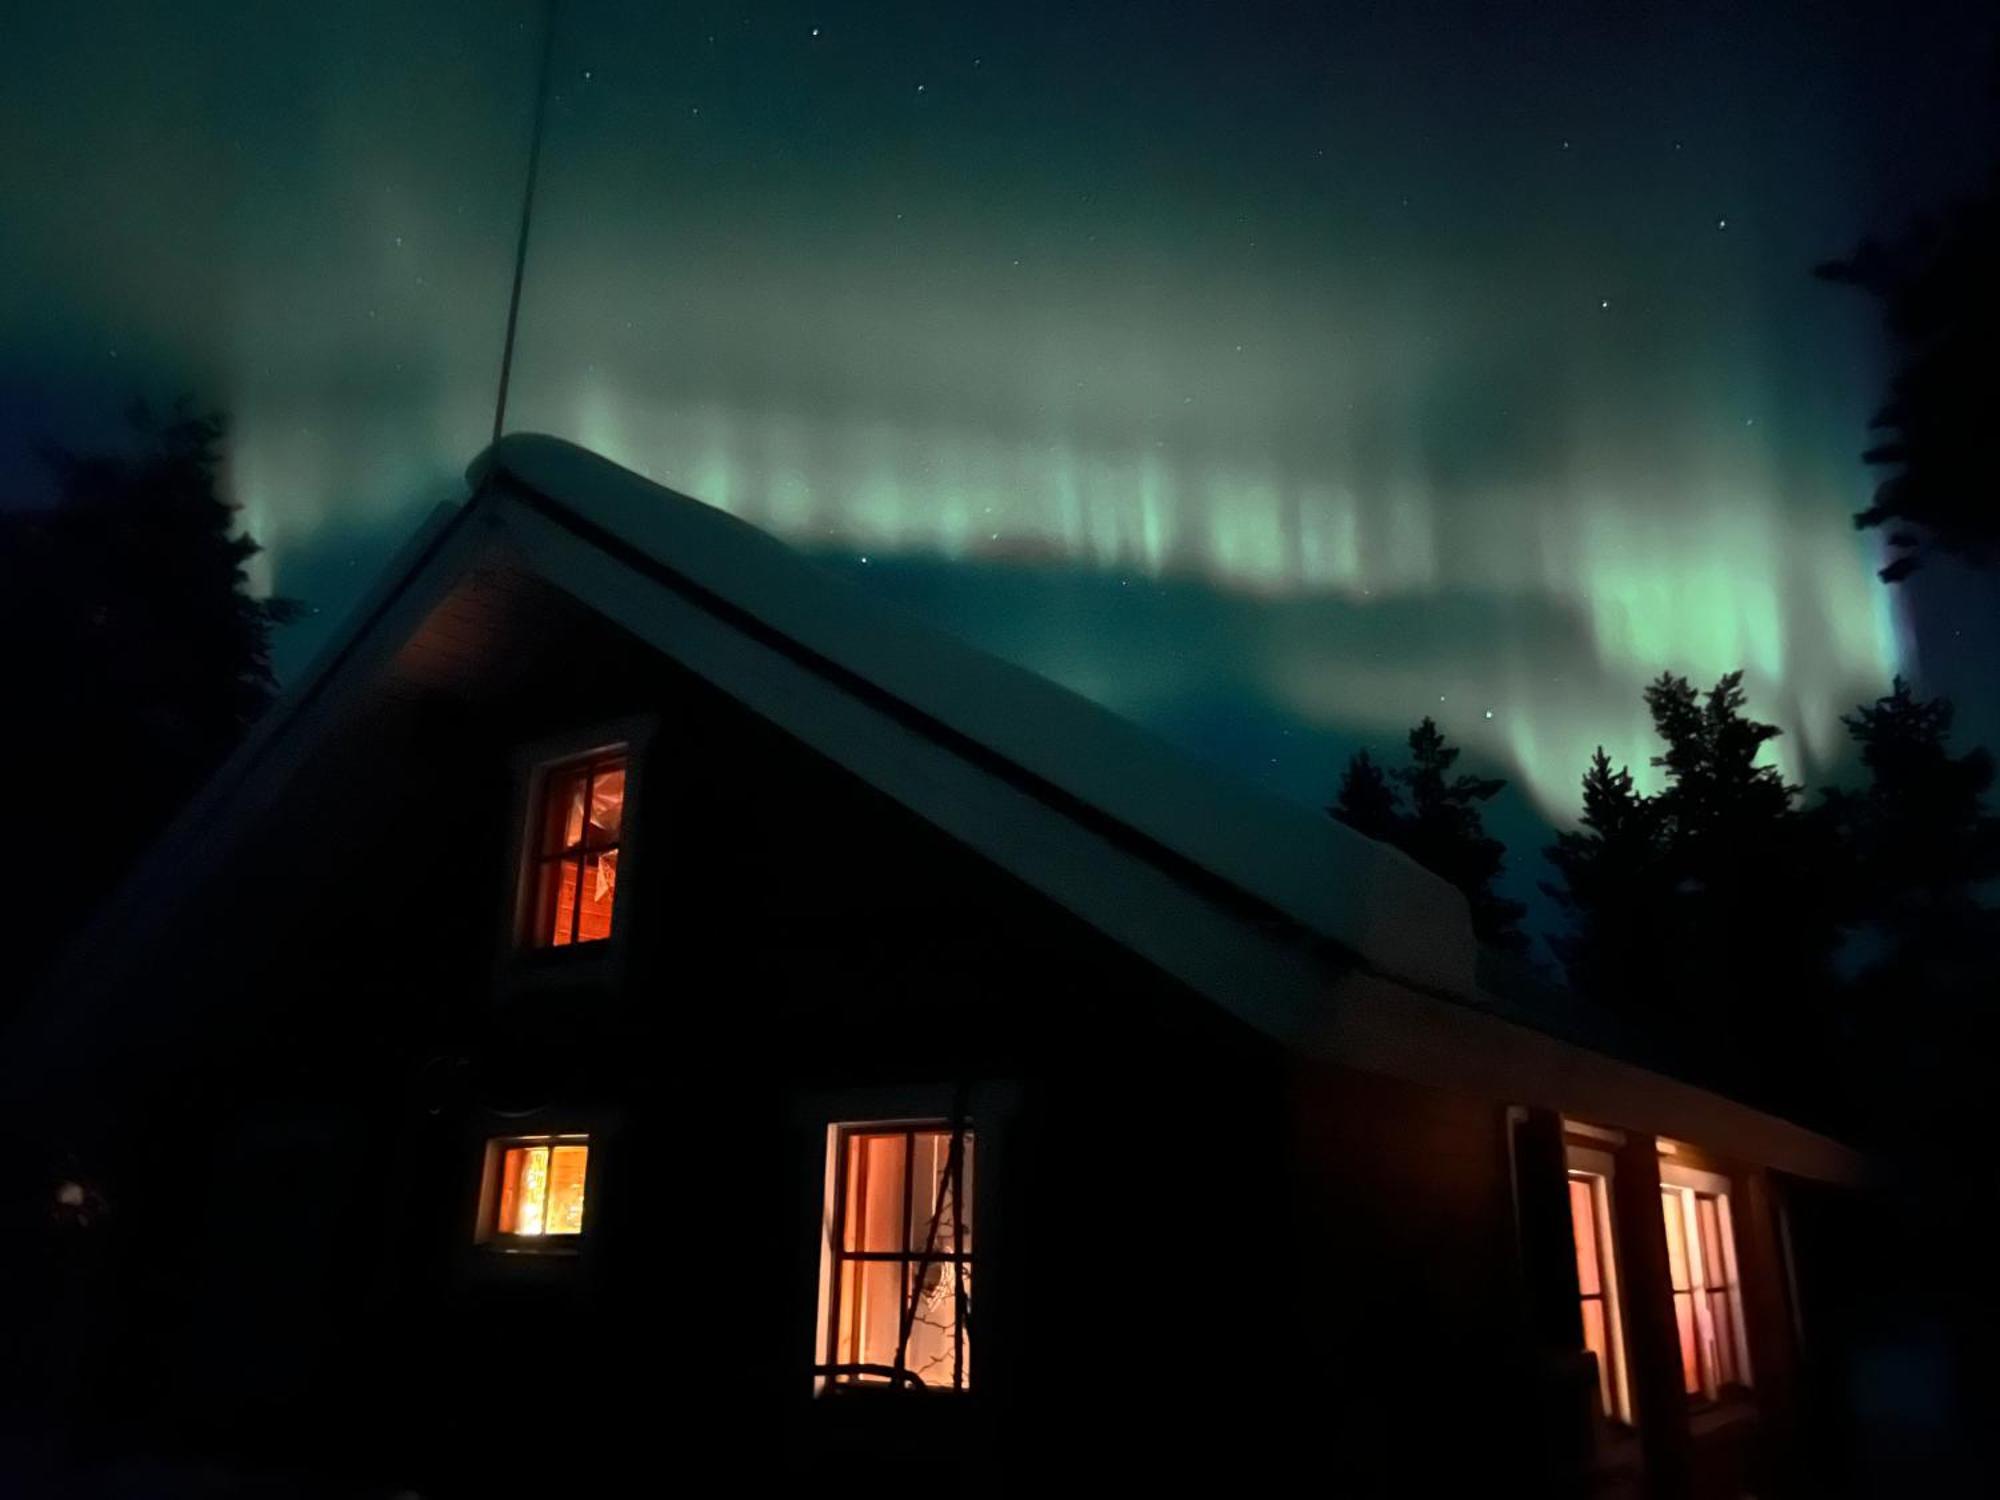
871,1310
1583,1229
933,1352
1725,1338
510,1190
529,1166
875,1192
600,883
1677,1256
565,1191
562,809
1690,1363
607,804
555,902
1711,1243
1594,1339
931,1153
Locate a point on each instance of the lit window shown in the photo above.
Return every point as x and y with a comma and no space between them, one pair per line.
538,1187
1597,1276
1708,1307
898,1289
576,851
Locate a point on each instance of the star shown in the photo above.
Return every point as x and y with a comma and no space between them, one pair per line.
920,88
1489,713
815,31
1605,303
1721,223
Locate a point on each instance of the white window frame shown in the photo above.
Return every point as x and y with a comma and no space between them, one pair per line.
988,1110
1689,1181
1600,1168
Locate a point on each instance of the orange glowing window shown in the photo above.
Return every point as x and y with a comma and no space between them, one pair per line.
899,1262
1597,1277
538,1187
577,835
1708,1304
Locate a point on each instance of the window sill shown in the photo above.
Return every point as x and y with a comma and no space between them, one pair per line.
553,1251
1734,1407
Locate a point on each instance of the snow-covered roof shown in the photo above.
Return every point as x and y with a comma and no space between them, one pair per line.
1365,897
1332,944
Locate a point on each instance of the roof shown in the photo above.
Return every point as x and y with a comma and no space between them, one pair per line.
1311,933
1365,897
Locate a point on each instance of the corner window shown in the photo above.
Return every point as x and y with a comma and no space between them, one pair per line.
535,1189
578,827
1597,1277
1701,1261
899,1257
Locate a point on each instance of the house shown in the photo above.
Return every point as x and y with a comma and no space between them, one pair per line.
642,1007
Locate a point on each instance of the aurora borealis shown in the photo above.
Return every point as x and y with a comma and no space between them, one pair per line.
1276,374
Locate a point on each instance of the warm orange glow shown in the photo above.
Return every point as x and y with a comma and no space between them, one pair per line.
1701,1259
576,851
901,1287
1597,1288
541,1190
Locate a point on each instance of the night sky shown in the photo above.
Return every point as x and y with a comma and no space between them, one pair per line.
1275,374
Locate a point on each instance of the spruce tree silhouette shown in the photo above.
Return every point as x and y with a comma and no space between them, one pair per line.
1940,300
1366,802
1924,841
1616,893
136,658
1713,907
1924,850
1434,817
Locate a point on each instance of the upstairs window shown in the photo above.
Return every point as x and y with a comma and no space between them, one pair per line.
537,1187
1708,1305
577,833
899,1245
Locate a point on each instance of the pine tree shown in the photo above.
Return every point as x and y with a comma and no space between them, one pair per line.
139,657
1614,890
1924,847
1366,802
1940,302
1714,905
1441,826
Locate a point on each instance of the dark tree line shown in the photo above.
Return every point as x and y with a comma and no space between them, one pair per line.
1939,296
1433,815
1791,941
136,657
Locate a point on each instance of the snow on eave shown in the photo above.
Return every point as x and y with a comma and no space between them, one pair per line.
1365,897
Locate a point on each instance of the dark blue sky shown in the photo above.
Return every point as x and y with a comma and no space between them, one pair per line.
1274,373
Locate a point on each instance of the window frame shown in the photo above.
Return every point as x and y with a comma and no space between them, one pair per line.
535,934
487,1234
989,1108
518,958
1693,1184
840,1135
1599,1168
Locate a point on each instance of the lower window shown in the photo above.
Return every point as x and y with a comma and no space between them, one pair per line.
1708,1304
899,1257
535,1189
1597,1275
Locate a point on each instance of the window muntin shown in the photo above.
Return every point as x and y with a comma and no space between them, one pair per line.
899,1306
578,829
539,1187
1597,1277
1708,1302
